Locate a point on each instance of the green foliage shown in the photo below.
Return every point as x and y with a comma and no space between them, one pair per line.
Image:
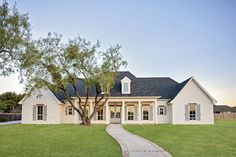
9,102
50,62
4,119
14,36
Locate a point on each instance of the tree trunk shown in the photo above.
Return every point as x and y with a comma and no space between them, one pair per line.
86,121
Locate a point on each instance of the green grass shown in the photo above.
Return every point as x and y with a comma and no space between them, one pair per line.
218,140
56,141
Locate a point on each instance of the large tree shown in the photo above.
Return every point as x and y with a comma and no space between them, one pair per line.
57,65
14,36
9,102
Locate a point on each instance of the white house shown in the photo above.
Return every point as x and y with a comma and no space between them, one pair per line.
133,100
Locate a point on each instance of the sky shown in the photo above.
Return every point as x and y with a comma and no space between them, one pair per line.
177,39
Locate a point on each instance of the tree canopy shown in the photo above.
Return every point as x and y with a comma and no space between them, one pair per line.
52,63
9,102
14,36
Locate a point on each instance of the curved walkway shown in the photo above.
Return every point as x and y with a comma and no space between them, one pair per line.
133,145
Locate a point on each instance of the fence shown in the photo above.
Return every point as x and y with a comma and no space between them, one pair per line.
10,116
225,116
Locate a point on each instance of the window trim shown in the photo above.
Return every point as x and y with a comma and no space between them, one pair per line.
124,84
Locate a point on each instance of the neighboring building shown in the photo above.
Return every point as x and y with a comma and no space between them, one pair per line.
133,100
224,109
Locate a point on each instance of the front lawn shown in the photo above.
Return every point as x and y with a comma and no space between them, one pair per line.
217,140
56,141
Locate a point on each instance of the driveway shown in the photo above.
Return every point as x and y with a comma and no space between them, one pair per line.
11,122
133,145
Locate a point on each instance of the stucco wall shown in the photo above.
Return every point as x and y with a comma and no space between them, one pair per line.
192,93
47,98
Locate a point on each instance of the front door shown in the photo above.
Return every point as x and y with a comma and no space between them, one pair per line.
115,112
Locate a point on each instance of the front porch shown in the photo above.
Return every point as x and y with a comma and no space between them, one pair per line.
128,111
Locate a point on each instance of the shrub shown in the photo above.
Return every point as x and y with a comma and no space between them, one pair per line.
4,119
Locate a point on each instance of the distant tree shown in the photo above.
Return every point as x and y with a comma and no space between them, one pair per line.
14,36
9,102
50,62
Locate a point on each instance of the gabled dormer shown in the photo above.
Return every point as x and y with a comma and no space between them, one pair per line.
125,85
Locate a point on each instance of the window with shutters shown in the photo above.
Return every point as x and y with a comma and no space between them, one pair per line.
100,114
39,112
130,112
192,111
146,112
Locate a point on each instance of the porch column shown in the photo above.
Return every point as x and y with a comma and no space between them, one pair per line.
91,107
123,113
139,112
155,112
76,114
107,113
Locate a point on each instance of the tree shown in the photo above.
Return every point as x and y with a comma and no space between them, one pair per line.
52,63
9,102
14,36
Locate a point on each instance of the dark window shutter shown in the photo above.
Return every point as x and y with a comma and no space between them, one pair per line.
151,113
34,112
186,113
198,112
44,112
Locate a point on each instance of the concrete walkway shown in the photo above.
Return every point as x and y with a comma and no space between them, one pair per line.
11,122
133,145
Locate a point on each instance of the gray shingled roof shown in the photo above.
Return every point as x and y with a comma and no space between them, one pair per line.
165,87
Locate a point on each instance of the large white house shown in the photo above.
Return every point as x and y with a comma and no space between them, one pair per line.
133,100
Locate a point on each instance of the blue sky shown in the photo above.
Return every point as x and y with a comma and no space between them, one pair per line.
171,38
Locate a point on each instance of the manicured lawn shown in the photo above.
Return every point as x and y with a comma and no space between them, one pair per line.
56,141
217,140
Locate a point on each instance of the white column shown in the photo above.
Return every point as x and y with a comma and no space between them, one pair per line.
139,112
155,112
91,107
76,114
123,113
107,113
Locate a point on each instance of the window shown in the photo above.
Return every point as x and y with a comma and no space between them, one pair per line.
130,112
146,110
39,112
162,110
69,110
100,114
192,111
125,87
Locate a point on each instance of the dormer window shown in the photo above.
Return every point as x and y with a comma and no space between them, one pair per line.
125,85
